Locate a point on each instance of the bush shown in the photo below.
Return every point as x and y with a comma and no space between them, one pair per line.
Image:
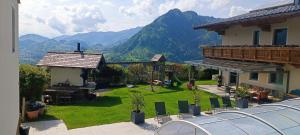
207,74
137,101
33,81
138,73
112,74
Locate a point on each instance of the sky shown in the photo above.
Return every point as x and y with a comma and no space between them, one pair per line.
52,18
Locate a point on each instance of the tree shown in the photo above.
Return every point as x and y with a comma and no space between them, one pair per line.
33,81
111,74
137,101
138,73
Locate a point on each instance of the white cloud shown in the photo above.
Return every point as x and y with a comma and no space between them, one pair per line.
215,4
87,18
139,7
56,24
237,10
56,17
195,5
183,5
61,16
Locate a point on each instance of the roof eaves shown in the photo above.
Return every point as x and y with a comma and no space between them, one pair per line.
262,13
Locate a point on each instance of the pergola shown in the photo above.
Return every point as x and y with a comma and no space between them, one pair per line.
235,66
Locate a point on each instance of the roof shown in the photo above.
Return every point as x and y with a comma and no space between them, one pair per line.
269,119
72,60
259,16
158,57
235,66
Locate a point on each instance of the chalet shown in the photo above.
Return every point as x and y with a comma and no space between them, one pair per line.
9,55
259,48
71,68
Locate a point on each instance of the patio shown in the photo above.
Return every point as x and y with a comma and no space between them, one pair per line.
58,127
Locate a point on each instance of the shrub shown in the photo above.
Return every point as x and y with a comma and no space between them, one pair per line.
33,81
207,74
138,73
137,101
112,74
242,92
196,97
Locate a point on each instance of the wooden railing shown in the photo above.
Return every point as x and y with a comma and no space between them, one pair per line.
280,55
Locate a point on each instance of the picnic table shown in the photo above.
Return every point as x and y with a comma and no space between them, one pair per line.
59,96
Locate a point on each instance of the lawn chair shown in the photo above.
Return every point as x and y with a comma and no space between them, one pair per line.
161,115
226,102
214,104
183,108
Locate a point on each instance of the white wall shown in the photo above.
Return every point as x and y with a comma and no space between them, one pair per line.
61,75
9,80
238,35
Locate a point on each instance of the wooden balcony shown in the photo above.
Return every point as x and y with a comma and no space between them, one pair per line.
271,54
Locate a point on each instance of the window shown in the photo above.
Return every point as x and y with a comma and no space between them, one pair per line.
276,78
280,37
13,30
254,76
256,36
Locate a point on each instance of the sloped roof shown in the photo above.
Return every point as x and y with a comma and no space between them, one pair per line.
288,10
72,60
158,57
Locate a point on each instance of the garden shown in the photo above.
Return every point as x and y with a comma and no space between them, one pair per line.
113,105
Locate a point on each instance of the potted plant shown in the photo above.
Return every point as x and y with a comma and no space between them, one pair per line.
42,107
137,102
33,111
242,96
195,108
220,81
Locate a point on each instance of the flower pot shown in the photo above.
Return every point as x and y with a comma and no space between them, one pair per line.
32,115
242,103
138,117
24,130
42,111
195,110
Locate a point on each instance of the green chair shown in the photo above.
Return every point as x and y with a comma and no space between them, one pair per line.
161,114
214,103
183,108
226,102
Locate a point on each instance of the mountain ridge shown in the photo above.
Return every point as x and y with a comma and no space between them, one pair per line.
171,34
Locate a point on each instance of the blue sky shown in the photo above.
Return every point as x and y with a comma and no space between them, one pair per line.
53,18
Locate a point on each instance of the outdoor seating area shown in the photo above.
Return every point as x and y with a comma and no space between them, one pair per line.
60,96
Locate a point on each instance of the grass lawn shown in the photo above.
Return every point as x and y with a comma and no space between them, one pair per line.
114,106
207,82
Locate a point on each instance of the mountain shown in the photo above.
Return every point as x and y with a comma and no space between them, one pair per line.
105,38
33,47
171,34
33,37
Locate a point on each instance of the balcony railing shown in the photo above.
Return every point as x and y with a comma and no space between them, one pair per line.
272,54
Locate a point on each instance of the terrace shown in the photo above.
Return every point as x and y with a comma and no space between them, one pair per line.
271,54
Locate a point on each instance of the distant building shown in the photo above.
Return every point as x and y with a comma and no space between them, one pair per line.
259,48
70,67
9,83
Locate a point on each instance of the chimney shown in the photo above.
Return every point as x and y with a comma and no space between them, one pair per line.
78,48
297,2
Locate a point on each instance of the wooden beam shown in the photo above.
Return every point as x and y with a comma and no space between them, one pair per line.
266,27
222,32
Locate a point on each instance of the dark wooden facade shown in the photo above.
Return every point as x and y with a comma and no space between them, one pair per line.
279,55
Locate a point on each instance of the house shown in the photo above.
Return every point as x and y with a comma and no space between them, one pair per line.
9,84
71,68
259,48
